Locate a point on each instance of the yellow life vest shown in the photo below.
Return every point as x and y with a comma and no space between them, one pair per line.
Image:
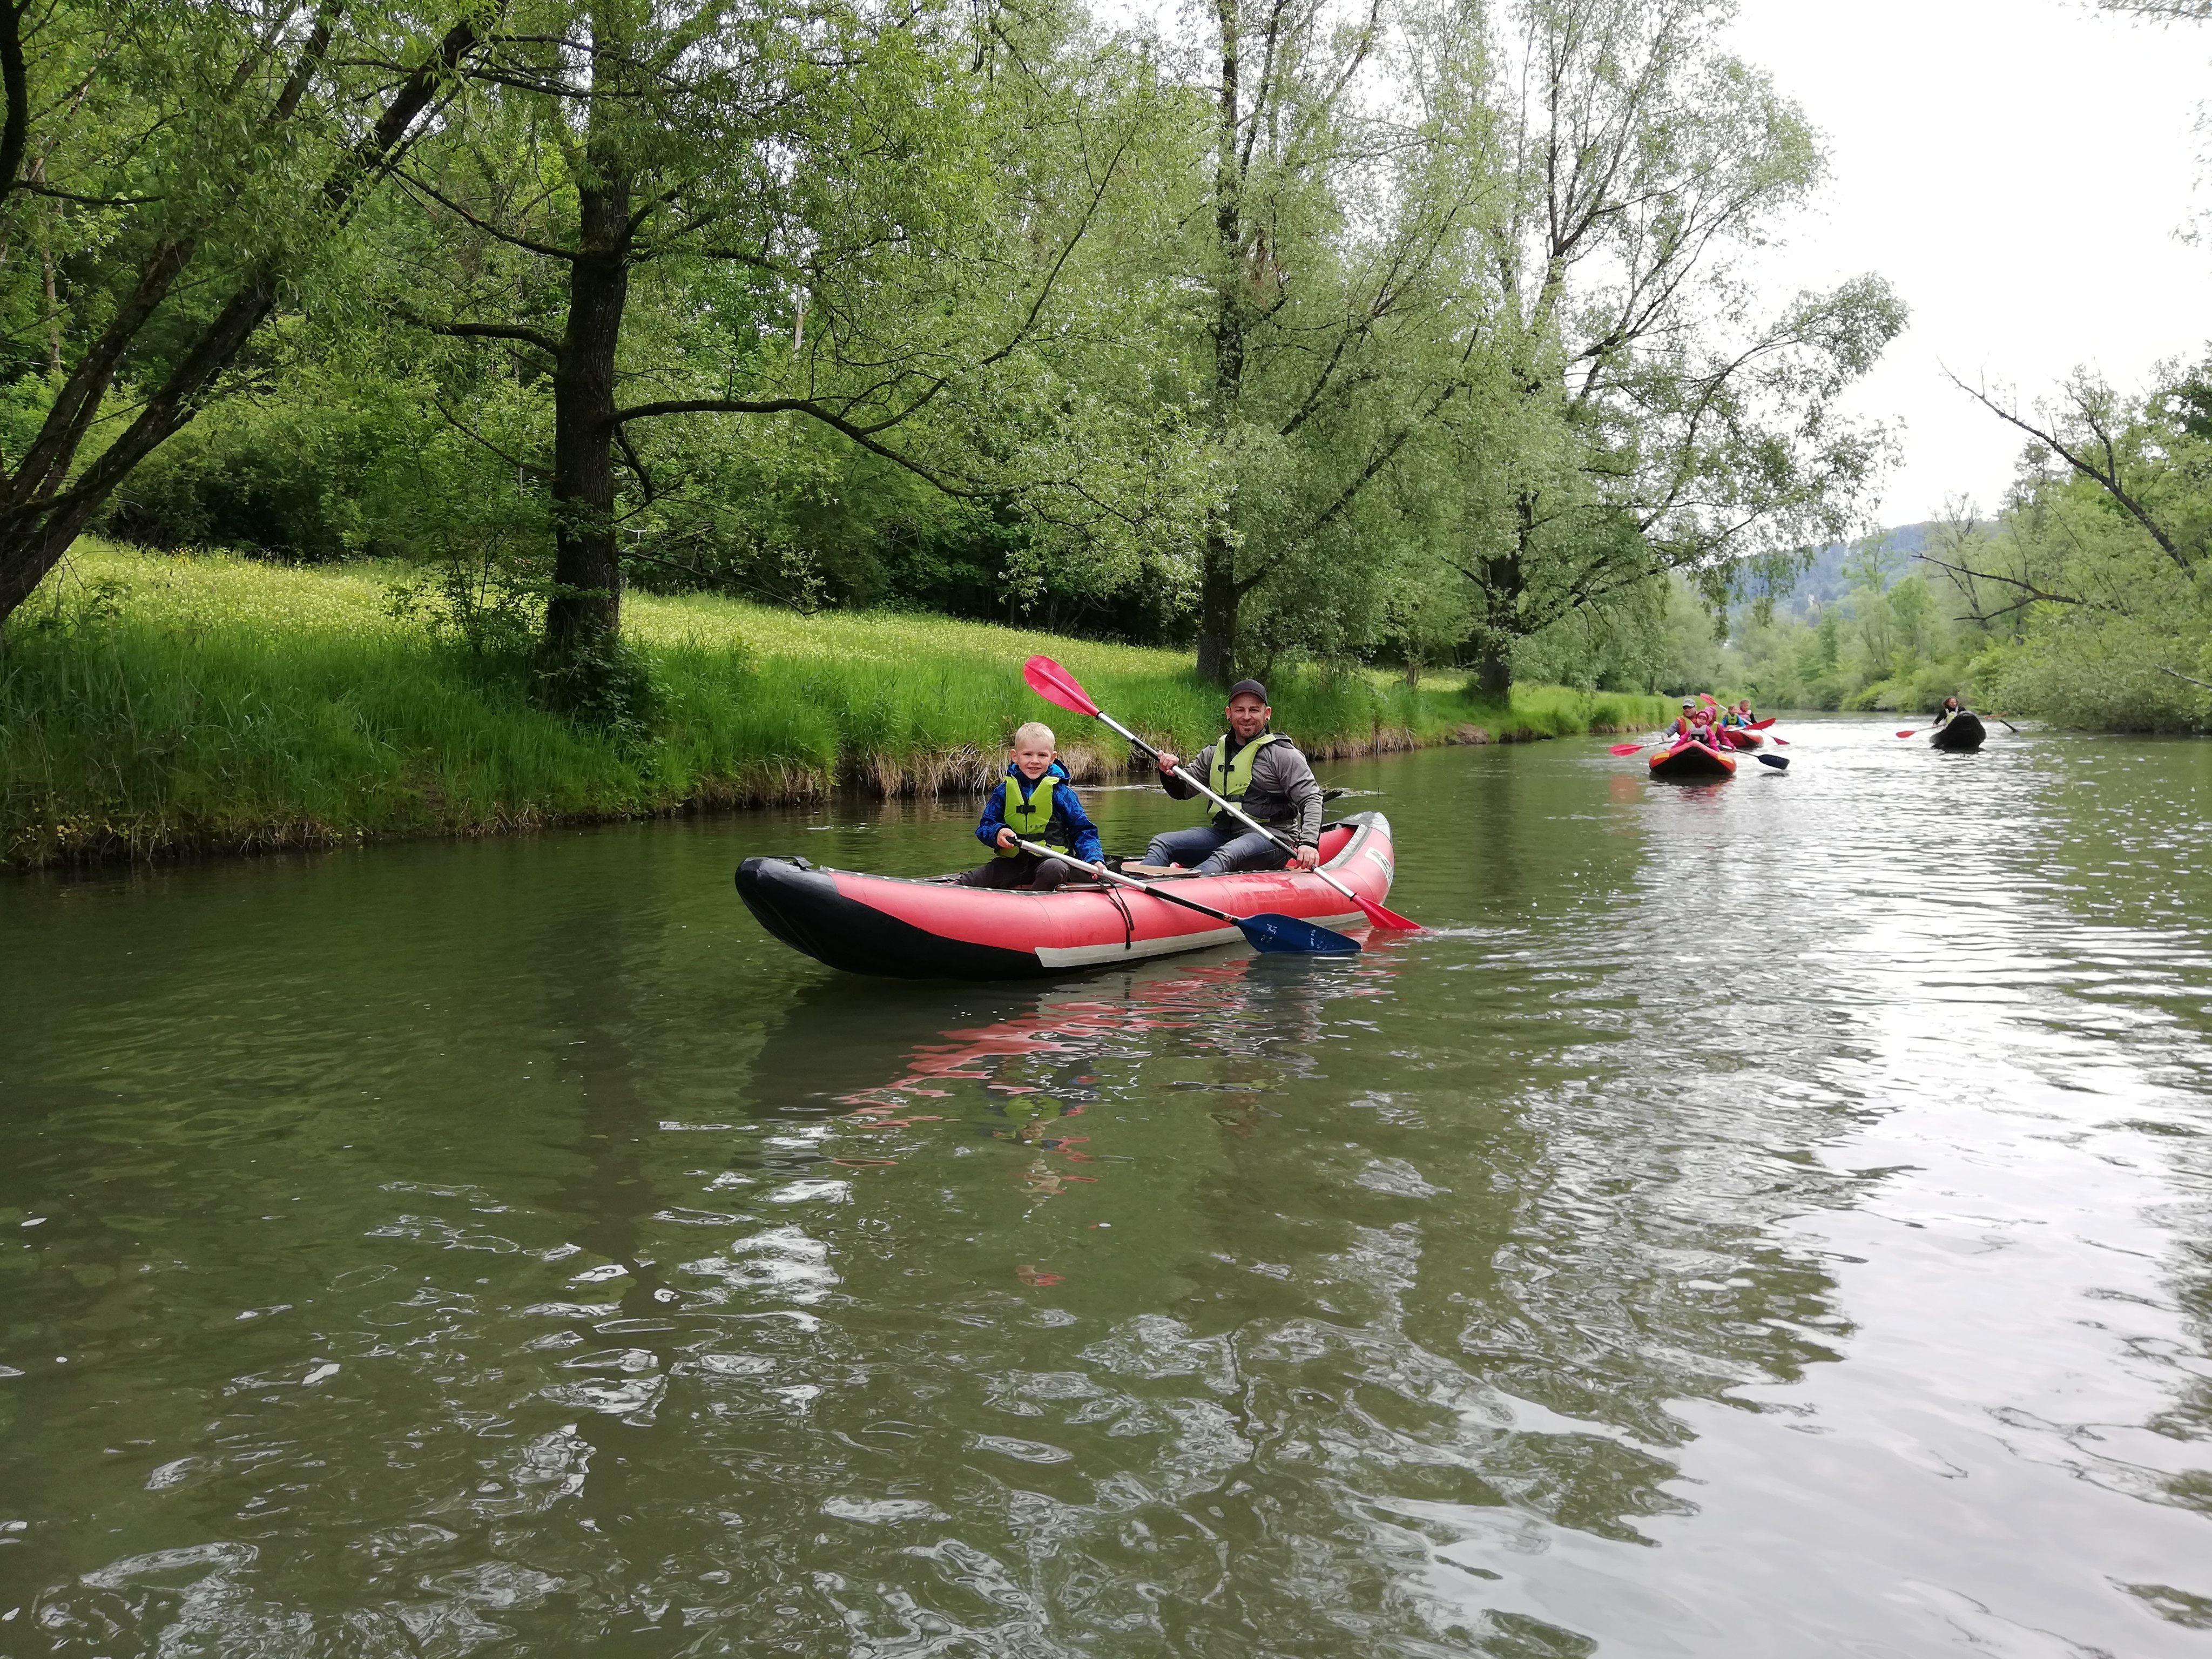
1028,812
1232,780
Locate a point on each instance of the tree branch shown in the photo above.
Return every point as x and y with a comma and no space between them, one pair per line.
2109,480
511,238
2029,588
636,467
529,336
862,435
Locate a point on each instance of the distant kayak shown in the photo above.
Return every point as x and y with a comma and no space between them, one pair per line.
907,929
1693,760
1742,737
1961,734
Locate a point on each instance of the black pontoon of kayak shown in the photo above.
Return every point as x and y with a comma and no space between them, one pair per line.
1961,734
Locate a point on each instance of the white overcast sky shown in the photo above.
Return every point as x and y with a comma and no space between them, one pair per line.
2018,169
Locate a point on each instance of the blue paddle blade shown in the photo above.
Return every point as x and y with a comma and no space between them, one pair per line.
1273,932
1779,762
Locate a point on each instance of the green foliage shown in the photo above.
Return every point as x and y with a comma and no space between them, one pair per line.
155,704
2092,590
1385,363
939,310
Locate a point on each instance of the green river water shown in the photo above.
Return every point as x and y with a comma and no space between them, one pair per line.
1769,1218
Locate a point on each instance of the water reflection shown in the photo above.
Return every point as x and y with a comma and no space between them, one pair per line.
1021,1077
1765,1221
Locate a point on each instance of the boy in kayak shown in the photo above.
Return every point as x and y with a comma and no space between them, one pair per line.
1033,802
1263,773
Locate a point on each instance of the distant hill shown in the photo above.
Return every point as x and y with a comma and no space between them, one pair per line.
1824,581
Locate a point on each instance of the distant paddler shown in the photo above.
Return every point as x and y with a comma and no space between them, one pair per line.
1958,730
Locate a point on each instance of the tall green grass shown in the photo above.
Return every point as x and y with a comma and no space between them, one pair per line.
151,704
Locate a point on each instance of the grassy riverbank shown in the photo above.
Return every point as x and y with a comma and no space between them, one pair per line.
157,704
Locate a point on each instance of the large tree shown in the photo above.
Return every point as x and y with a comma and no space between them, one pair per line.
1344,172
754,208
1694,427
167,172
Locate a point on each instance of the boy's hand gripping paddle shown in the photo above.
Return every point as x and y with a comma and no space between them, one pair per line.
1059,688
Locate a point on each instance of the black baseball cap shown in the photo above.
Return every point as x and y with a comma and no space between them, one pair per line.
1248,688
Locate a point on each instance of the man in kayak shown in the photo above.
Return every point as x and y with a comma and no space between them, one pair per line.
1033,802
1261,771
1685,727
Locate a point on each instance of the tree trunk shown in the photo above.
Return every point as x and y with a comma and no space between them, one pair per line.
1218,594
1217,607
586,603
1493,670
1498,628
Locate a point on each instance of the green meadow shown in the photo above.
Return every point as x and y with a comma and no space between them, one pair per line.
154,704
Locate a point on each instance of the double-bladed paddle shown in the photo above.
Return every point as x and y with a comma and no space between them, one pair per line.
1915,730
1061,689
1268,932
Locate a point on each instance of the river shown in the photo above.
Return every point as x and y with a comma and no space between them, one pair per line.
1760,1218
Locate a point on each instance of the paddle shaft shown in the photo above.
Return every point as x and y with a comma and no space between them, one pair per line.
1119,879
1232,809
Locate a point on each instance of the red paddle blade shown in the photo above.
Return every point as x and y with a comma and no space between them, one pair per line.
1905,734
1384,916
1057,686
1625,748
1706,698
1784,742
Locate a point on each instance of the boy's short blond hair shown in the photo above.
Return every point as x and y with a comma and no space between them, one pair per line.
1035,735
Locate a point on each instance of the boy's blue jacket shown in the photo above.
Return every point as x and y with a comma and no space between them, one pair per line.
1081,834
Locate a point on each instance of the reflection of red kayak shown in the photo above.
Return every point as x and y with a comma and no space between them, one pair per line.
1693,760
1742,737
931,930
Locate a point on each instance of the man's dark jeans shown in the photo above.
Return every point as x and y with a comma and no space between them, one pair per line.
1213,851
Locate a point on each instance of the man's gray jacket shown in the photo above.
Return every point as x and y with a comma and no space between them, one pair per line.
1284,794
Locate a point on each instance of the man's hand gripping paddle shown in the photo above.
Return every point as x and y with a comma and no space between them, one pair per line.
1059,688
1266,931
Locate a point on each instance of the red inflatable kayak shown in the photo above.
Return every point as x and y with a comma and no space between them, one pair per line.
1742,737
906,929
1693,760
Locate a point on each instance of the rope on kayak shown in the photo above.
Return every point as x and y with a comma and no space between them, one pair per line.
1128,922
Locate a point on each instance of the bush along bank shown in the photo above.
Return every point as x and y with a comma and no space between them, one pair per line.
152,705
